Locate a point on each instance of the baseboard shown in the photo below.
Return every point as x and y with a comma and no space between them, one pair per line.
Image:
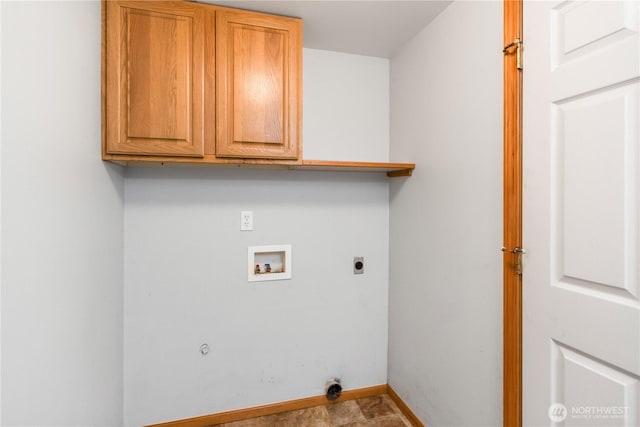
275,408
404,408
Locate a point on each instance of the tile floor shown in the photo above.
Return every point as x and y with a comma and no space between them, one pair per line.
376,411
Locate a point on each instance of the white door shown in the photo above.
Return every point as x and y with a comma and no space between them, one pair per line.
581,173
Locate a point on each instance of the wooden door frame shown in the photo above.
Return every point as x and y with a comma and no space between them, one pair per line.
512,220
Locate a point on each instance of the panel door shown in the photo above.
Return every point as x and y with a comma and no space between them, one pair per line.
155,76
581,203
258,75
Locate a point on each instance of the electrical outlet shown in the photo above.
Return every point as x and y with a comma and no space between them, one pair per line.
246,221
358,265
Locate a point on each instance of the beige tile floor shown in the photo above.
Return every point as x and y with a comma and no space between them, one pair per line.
376,411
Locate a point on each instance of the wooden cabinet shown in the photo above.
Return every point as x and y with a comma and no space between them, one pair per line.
185,83
161,80
258,72
155,73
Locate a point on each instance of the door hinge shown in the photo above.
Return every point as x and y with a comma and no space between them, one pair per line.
518,252
517,43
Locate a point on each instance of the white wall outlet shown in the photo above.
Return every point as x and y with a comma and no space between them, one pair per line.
246,220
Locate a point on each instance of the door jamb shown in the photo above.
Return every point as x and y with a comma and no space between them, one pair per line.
512,220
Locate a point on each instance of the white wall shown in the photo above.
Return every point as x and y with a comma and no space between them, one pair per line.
62,222
445,325
186,275
346,107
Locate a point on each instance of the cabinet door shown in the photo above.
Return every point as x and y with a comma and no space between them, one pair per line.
155,78
258,72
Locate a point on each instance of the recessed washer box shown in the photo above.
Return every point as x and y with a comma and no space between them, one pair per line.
271,262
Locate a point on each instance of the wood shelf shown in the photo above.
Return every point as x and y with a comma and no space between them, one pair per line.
391,169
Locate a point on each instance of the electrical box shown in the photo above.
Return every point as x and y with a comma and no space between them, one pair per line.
272,262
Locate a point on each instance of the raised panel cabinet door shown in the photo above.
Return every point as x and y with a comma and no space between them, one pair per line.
258,71
155,78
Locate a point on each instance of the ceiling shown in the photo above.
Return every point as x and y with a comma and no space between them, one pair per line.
372,28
